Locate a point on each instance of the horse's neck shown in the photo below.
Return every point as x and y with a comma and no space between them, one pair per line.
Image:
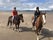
39,19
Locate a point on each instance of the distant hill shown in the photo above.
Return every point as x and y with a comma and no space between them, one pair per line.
26,10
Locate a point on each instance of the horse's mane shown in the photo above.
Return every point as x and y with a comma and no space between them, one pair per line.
40,17
17,16
20,14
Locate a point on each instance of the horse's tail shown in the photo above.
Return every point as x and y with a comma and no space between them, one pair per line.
32,19
8,23
9,20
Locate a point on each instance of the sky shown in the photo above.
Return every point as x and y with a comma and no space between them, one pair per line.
26,4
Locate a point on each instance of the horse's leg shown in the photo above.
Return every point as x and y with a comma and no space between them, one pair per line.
8,23
38,31
33,27
18,26
37,34
11,24
40,28
38,37
15,27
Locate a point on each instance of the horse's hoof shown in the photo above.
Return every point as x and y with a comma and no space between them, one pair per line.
19,30
16,30
38,38
13,28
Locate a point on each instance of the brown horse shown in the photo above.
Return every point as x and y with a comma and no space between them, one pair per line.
16,21
39,22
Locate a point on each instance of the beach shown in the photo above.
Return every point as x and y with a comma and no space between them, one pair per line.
7,33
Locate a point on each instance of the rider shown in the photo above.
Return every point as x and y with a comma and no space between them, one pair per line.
36,14
14,13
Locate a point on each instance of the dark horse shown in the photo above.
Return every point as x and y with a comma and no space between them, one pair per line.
39,23
16,21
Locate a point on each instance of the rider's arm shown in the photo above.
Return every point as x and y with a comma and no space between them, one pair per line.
12,12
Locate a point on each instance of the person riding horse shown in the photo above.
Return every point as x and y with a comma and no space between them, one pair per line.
36,15
38,21
14,13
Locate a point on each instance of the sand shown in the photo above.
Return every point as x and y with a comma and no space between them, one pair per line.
7,33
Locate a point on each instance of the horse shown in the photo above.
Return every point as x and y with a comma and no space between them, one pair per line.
16,21
39,23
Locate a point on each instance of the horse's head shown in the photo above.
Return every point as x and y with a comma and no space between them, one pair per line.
21,17
44,17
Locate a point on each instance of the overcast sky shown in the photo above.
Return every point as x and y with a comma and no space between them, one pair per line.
26,4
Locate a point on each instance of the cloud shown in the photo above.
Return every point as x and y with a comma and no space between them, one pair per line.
8,0
26,4
1,3
51,7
